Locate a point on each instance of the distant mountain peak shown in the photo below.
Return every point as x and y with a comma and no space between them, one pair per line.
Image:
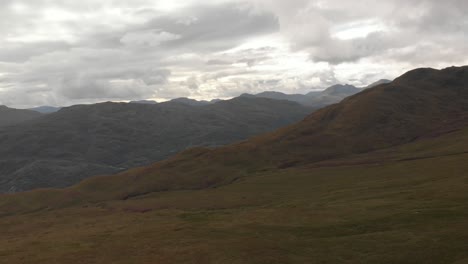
315,99
270,93
340,88
143,102
189,101
46,109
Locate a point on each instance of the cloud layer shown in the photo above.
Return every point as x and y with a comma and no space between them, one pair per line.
65,52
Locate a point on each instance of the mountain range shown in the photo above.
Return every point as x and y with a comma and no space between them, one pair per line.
73,143
331,95
380,177
328,96
62,148
414,106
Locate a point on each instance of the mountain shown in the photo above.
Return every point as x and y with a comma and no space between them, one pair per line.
144,102
380,177
46,109
340,89
77,142
418,104
379,82
388,115
191,102
333,94
299,98
313,93
316,99
10,116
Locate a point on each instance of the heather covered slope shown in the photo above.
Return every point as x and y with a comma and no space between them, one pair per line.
410,107
405,205
82,141
413,105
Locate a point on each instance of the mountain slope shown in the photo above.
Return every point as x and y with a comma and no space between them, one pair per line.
379,82
81,141
333,94
399,204
414,106
404,212
411,107
10,116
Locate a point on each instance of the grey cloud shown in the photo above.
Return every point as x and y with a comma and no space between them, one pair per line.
87,54
309,26
126,61
215,28
120,84
226,73
218,62
21,52
84,87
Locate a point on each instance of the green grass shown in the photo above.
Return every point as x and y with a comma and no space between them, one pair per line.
396,212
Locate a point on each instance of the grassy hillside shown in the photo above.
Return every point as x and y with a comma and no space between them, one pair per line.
379,178
407,211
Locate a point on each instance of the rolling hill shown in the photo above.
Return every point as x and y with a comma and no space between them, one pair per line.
63,148
379,178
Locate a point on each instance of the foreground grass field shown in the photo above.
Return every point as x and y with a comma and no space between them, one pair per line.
412,211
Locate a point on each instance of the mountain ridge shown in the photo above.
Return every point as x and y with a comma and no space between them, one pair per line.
11,116
86,140
318,99
400,116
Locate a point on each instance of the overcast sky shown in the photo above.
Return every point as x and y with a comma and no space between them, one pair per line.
62,52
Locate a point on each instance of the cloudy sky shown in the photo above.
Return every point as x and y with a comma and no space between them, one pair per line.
62,52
